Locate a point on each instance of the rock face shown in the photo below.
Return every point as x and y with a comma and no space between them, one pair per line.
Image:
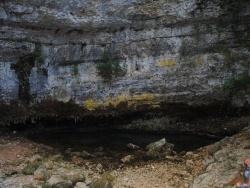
180,51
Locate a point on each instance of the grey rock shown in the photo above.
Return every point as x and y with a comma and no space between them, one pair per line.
156,146
153,154
81,185
74,177
42,174
31,168
86,154
127,159
56,182
132,146
106,181
167,54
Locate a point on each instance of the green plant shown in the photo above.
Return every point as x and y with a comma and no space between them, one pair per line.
236,84
223,50
109,68
38,53
75,70
25,39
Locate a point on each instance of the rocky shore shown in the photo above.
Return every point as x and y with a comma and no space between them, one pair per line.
27,164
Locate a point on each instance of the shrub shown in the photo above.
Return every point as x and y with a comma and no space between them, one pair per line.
109,68
237,84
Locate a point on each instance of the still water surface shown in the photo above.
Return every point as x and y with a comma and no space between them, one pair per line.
118,140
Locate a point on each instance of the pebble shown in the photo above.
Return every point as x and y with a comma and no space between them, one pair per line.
189,153
127,159
189,162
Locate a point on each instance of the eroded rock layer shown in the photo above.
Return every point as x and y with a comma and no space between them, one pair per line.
175,52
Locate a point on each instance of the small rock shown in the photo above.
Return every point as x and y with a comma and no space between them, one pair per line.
74,176
49,166
56,182
86,154
68,151
81,185
156,146
196,156
31,168
2,174
99,153
99,168
77,160
88,182
76,154
133,147
34,158
56,157
41,174
106,181
189,153
174,153
99,149
127,159
1,180
171,158
189,162
153,154
10,172
198,163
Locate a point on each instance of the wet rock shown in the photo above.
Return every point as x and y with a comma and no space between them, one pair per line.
133,147
156,146
56,182
106,181
31,168
127,159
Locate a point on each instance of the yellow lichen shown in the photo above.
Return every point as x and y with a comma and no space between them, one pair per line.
132,101
167,63
91,104
143,97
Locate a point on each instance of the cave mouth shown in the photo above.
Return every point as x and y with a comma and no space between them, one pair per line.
90,134
104,140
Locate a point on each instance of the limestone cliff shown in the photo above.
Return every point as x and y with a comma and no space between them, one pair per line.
175,51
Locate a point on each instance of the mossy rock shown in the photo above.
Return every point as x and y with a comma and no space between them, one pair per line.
106,181
31,168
